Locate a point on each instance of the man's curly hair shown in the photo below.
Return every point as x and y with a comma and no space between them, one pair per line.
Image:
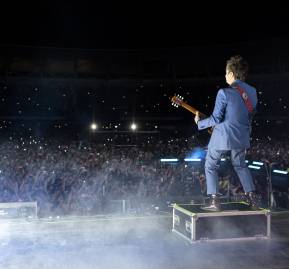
238,66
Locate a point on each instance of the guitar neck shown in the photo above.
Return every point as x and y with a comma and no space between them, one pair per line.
192,109
178,101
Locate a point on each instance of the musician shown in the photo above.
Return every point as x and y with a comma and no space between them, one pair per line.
231,119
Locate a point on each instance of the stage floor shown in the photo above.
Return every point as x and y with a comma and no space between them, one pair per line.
131,243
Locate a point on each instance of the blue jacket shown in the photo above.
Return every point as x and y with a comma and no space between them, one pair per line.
231,118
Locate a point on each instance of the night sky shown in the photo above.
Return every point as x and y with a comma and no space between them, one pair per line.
90,24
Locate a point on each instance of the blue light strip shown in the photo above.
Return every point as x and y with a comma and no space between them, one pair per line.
193,160
254,167
280,172
169,160
258,163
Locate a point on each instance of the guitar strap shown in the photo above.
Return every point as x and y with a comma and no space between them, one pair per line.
245,98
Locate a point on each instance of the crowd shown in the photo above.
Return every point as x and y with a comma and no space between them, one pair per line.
274,151
82,177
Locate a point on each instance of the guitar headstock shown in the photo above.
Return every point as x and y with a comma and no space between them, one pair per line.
177,100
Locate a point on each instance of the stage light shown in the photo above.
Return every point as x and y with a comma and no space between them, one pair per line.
93,126
280,172
254,167
133,126
169,160
258,163
197,154
192,160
